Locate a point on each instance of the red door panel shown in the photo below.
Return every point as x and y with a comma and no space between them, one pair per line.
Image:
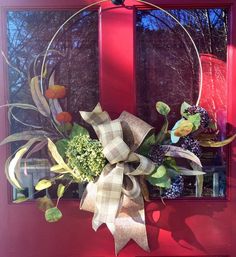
182,227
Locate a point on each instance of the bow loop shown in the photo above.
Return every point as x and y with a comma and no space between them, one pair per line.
117,181
116,151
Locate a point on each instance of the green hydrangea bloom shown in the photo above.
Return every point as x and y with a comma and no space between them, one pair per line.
85,157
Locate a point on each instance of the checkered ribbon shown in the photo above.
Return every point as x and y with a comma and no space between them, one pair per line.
118,179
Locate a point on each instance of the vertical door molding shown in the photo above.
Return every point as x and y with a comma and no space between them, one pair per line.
117,58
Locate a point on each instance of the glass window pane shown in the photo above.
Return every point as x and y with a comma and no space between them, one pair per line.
168,71
73,62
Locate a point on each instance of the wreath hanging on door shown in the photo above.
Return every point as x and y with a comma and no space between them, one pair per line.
126,153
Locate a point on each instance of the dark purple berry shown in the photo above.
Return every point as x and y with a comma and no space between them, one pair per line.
205,119
176,189
192,145
157,154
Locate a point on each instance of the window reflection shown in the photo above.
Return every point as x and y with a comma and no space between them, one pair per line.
72,58
168,71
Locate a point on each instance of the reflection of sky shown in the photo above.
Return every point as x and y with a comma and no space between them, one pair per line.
185,17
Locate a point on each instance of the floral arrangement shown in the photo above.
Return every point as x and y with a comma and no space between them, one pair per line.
117,165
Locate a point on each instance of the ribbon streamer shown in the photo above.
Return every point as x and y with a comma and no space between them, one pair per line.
115,198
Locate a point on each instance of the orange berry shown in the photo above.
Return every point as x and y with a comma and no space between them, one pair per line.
64,117
55,91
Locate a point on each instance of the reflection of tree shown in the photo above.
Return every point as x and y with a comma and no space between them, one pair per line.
166,61
76,65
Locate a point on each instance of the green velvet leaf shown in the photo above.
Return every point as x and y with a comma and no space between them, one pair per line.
162,108
53,214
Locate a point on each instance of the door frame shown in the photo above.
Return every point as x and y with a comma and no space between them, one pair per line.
8,209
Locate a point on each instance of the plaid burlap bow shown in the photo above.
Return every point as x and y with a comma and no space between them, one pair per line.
117,183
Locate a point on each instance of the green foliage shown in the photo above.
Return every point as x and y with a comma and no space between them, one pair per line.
147,143
85,157
159,177
162,108
62,145
60,190
53,214
195,120
183,108
43,184
170,162
78,130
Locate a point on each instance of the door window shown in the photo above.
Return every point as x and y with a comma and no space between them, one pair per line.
168,71
72,61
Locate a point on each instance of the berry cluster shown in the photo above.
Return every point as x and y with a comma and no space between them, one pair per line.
205,119
192,145
157,154
176,189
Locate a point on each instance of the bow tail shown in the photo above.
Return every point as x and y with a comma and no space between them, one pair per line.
130,224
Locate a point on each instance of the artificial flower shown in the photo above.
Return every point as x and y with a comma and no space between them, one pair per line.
64,117
55,92
85,156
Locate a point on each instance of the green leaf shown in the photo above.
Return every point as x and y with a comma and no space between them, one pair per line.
159,172
56,156
60,190
147,143
159,177
195,120
53,214
162,108
43,184
21,199
171,163
62,147
183,107
78,130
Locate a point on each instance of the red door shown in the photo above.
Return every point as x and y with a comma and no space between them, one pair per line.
184,227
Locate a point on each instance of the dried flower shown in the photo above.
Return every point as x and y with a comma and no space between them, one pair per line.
64,117
55,92
85,157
